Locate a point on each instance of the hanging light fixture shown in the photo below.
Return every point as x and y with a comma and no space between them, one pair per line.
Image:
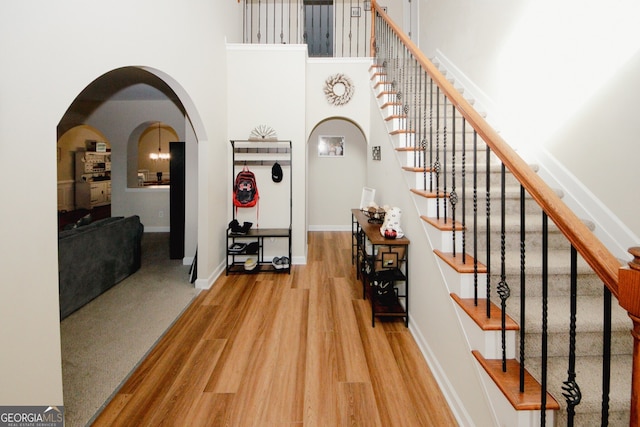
159,155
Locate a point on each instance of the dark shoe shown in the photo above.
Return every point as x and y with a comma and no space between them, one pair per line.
252,248
246,227
235,227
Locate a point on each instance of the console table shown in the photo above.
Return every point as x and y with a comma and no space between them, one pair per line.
382,265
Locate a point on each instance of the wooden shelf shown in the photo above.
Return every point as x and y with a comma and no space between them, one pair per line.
366,235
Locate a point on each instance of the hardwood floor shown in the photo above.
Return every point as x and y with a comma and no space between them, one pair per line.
277,349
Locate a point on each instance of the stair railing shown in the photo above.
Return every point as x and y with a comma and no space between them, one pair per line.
439,125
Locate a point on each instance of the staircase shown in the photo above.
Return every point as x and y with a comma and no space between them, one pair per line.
463,171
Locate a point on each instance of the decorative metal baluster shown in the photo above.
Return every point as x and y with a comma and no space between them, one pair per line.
503,288
327,35
350,27
488,232
570,389
523,286
453,198
274,21
475,217
444,159
423,136
436,165
281,23
415,111
545,299
606,357
431,165
464,190
259,34
406,73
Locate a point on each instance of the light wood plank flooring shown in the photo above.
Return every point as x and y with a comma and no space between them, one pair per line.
283,350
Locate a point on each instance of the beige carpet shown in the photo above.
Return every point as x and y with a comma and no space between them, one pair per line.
103,341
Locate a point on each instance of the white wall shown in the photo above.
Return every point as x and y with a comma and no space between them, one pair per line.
51,51
119,121
335,183
558,79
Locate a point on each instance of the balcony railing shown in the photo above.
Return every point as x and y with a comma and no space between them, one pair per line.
328,28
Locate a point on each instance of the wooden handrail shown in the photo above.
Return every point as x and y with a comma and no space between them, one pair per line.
594,252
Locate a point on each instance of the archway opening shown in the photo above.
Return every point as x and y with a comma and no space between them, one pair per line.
336,173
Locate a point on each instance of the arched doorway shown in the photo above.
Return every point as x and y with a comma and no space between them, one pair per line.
116,103
336,173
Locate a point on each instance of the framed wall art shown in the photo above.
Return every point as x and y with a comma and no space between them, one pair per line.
330,146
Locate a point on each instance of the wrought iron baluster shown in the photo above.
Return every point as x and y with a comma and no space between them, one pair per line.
545,299
606,357
475,217
436,165
431,165
523,286
281,23
503,288
488,231
453,197
570,388
259,34
422,124
444,159
464,190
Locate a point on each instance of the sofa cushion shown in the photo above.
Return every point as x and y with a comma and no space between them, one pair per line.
93,258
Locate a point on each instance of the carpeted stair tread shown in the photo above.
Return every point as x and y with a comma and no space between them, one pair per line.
589,379
588,315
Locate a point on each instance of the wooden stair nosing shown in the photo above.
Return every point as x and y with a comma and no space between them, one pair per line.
508,383
422,169
456,262
430,194
401,131
478,313
375,67
386,92
409,149
443,224
395,116
381,83
390,104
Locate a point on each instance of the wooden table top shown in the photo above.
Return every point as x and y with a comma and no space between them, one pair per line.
372,231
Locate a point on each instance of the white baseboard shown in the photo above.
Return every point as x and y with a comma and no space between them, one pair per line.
449,392
209,281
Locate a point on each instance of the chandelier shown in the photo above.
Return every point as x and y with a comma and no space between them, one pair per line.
159,155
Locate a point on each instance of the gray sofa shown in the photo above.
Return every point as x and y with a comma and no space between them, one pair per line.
93,258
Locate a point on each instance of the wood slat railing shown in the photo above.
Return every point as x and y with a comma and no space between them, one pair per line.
624,283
